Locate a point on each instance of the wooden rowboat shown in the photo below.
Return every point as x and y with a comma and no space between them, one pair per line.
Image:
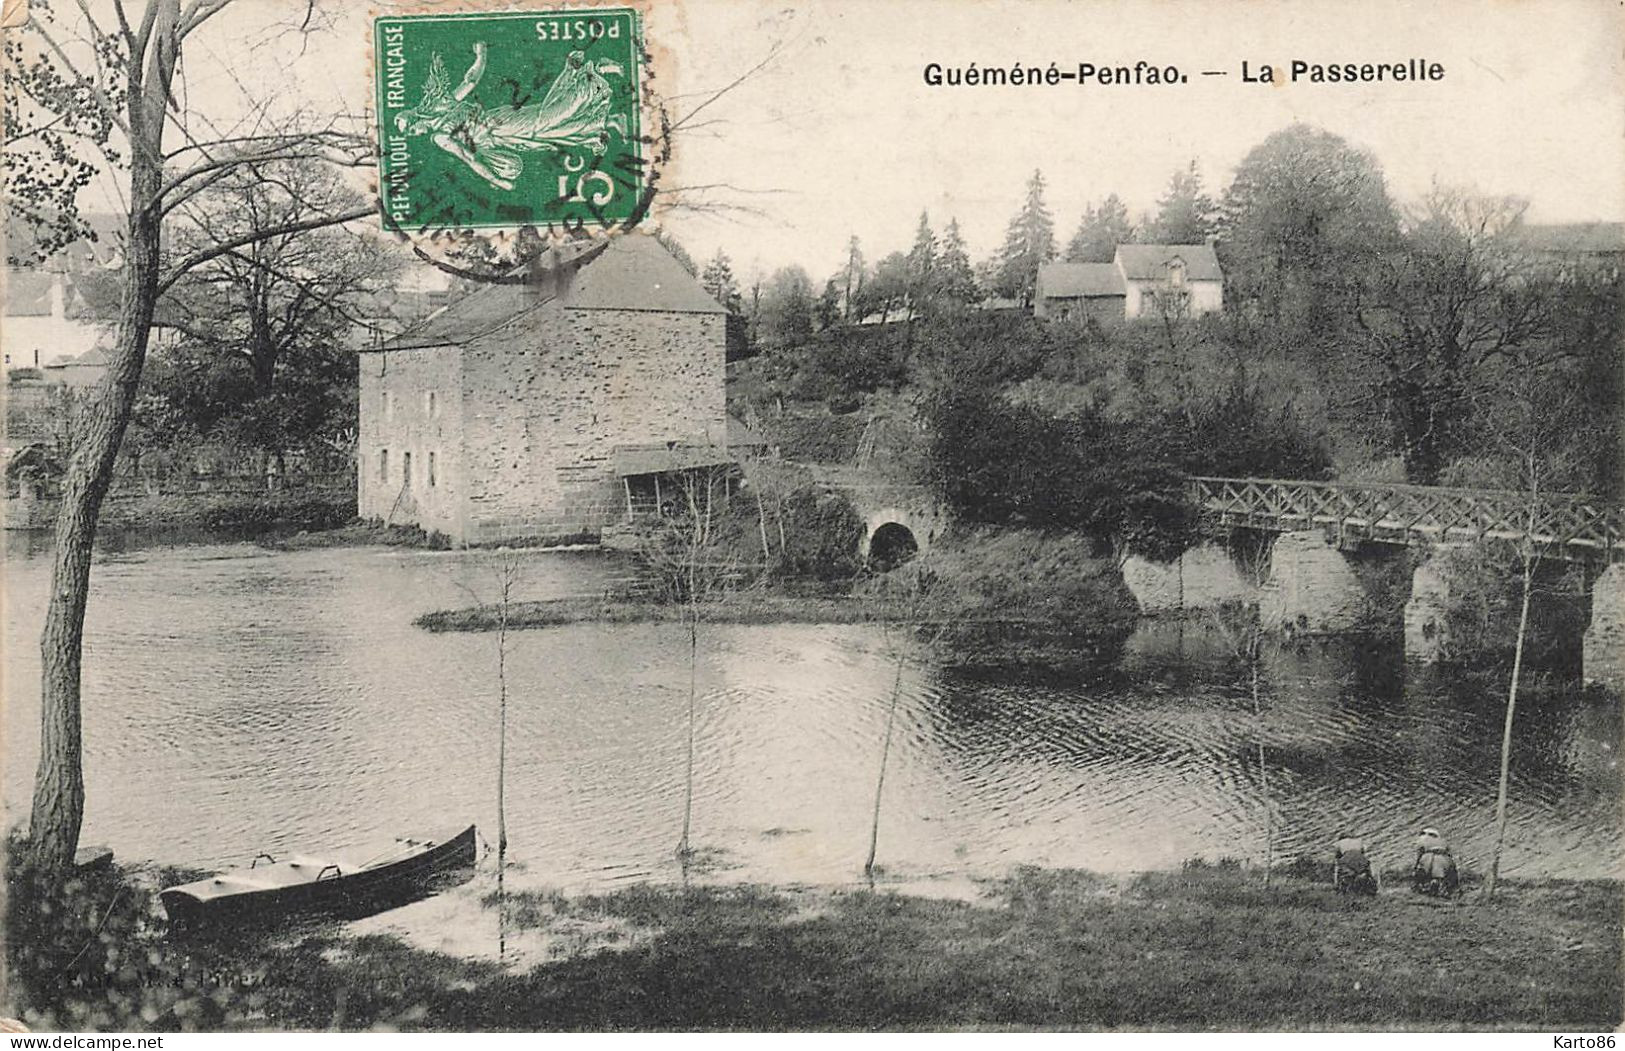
358,880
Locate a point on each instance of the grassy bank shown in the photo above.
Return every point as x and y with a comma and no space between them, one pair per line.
354,533
1203,948
745,607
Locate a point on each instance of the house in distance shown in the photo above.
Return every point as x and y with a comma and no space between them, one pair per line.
1140,281
517,411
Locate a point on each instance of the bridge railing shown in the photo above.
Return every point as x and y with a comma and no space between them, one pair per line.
1568,524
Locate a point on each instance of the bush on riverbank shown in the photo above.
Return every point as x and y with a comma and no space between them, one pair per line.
1018,597
92,953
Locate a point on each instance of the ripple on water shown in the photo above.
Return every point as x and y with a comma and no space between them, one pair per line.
238,699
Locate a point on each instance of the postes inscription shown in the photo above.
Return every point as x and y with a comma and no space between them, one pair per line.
509,120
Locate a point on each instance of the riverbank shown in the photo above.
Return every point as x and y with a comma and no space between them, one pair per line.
1207,947
308,509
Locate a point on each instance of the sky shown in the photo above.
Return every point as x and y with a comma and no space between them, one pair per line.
838,134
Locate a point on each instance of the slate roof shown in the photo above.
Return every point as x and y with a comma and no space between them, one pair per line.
633,460
1150,262
466,318
1078,280
634,272
96,356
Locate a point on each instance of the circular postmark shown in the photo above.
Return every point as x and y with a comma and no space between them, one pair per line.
500,132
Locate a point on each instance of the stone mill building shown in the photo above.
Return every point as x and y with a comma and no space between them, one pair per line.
530,410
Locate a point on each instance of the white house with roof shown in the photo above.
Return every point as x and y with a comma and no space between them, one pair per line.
1184,278
1142,280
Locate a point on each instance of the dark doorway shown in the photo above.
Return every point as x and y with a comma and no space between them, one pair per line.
891,546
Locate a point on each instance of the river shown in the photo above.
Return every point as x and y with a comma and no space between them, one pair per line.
239,699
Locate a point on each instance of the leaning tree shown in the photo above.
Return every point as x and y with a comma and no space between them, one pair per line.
92,104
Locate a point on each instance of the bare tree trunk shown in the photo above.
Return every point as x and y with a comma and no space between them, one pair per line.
1506,730
509,568
761,524
502,719
684,850
1263,770
880,780
59,789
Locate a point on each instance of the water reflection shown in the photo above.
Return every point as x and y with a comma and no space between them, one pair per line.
239,699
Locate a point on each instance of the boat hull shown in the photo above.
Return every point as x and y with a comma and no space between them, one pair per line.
249,894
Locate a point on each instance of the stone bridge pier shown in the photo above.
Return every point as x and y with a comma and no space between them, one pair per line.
1311,585
1604,643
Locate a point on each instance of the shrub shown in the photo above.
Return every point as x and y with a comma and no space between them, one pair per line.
822,533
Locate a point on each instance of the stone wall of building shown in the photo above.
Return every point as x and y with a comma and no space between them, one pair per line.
412,406
551,396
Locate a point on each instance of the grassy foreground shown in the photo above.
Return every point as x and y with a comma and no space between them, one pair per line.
1207,948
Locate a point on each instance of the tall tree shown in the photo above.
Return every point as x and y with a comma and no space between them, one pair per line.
1028,241
886,290
1185,213
1457,297
852,275
1100,232
922,265
92,98
1300,225
719,282
827,311
956,281
785,312
285,291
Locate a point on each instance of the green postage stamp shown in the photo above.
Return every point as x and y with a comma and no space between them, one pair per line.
509,119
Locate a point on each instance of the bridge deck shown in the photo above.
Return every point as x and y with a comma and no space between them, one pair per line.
1563,525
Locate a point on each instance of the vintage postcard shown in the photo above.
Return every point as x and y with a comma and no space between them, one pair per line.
820,516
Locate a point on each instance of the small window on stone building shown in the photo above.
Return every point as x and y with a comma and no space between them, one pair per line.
428,403
383,465
431,464
406,470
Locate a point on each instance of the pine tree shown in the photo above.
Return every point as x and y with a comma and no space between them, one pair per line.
1100,232
922,265
852,279
827,311
956,280
718,280
1185,214
1029,241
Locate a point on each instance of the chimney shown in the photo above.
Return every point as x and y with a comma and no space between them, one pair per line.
549,273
